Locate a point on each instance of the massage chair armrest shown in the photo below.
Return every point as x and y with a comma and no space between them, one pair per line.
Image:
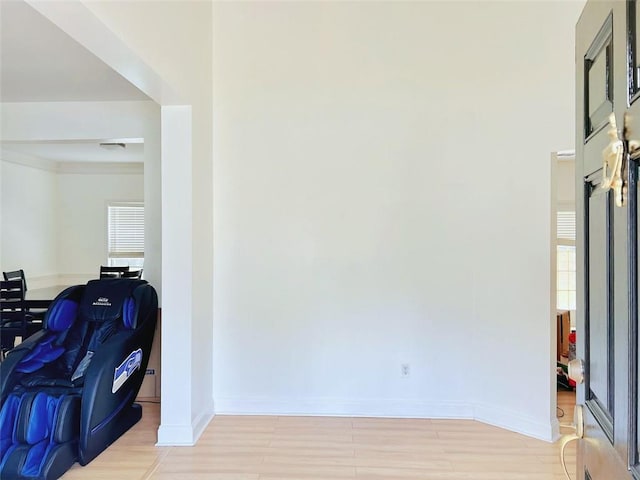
118,366
8,377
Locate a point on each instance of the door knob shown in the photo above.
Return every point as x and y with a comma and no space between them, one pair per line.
576,370
616,157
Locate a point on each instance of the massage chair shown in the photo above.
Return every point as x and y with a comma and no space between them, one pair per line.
68,391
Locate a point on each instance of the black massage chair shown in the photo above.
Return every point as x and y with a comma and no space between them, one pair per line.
68,391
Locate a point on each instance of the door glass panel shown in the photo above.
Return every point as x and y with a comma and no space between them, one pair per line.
634,30
598,69
634,20
634,248
597,82
598,287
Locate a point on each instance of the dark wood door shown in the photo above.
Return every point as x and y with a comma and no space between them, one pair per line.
607,243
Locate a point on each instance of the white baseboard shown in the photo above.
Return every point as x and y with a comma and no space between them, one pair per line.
397,408
514,421
201,422
175,435
401,408
555,430
184,435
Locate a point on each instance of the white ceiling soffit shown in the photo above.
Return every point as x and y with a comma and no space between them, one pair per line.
41,63
77,151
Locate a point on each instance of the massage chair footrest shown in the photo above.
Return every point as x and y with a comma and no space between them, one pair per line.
40,435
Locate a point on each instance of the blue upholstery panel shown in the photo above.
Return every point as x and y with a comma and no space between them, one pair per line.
43,353
41,419
22,420
42,423
129,313
8,415
47,424
62,315
60,318
17,410
34,459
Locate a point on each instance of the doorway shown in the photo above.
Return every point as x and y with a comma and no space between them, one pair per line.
563,278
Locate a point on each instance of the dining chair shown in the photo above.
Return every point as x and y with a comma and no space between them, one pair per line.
16,275
15,321
112,272
36,313
132,274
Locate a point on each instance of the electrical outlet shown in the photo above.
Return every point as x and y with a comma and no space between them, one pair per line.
404,370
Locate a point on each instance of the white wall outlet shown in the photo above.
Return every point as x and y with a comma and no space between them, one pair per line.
404,370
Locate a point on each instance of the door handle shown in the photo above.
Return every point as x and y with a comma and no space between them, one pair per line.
576,370
616,158
576,373
578,428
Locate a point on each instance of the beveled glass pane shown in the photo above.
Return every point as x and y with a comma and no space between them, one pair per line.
598,308
598,82
636,43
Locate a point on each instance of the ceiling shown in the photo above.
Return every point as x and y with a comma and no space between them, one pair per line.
77,151
41,63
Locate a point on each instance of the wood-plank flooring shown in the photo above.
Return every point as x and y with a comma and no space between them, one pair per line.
323,448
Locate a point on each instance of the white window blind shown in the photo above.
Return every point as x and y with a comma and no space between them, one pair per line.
566,260
126,230
566,226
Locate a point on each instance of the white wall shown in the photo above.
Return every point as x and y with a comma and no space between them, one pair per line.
566,184
47,121
381,185
82,218
56,230
29,228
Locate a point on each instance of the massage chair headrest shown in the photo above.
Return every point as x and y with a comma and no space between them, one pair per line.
97,301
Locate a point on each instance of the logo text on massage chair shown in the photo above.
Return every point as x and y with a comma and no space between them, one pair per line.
126,369
102,302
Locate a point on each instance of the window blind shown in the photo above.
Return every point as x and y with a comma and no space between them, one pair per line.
566,226
126,230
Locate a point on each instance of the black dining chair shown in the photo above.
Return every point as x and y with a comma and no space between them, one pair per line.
112,272
36,313
132,274
16,275
15,321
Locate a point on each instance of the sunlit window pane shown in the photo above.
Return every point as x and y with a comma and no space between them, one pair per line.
566,277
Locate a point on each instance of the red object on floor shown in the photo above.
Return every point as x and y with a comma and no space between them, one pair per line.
572,352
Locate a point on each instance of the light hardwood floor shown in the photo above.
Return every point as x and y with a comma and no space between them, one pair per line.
566,406
323,448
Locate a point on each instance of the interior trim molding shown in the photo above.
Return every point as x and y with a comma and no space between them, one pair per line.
392,408
514,421
80,168
184,435
28,161
341,407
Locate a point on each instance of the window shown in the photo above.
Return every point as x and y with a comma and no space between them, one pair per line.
566,261
125,231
